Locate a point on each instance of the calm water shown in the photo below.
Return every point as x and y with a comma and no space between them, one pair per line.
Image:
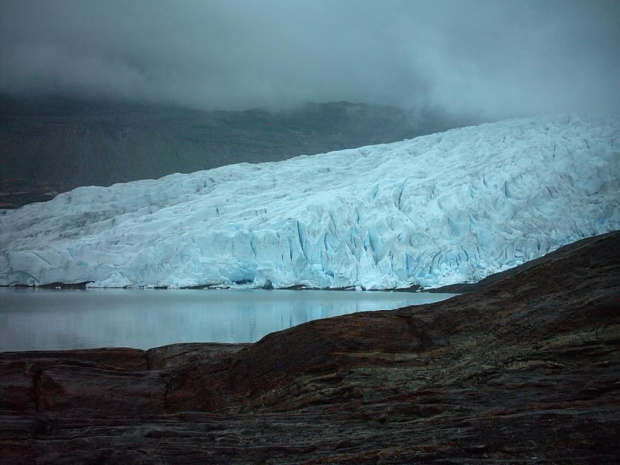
38,319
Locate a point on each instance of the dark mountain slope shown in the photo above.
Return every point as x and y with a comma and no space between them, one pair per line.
55,144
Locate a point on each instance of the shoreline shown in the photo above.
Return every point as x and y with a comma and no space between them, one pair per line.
502,374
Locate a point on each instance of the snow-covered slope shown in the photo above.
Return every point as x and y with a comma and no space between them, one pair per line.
439,209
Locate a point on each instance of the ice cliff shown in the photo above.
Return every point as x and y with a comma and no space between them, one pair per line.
440,209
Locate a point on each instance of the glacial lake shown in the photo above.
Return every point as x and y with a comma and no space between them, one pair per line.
43,319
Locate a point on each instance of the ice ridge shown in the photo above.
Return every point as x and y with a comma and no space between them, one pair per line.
440,209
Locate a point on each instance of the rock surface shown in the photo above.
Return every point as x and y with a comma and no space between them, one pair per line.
526,370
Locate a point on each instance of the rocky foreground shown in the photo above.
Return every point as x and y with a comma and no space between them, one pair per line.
525,370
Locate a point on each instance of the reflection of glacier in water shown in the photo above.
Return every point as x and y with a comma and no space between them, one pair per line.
38,319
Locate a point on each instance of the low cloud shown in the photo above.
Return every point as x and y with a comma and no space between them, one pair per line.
476,57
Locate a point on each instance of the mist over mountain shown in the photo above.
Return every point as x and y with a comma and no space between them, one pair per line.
105,92
56,144
498,59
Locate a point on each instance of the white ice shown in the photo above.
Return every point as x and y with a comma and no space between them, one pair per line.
440,209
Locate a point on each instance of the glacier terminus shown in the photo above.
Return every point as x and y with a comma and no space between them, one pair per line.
447,208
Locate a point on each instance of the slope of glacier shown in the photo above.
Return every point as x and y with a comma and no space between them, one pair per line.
440,209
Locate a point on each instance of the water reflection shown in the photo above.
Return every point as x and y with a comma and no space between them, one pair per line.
39,319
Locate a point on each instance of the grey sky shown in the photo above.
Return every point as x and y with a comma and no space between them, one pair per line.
486,57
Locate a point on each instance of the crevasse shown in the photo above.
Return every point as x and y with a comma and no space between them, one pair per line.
436,210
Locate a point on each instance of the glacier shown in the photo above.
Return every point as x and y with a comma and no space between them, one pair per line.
447,208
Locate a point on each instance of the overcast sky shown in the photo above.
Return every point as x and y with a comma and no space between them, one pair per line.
486,57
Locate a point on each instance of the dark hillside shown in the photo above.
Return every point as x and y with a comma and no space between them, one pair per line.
53,144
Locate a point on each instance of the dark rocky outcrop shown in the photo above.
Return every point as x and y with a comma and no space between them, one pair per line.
526,370
462,288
